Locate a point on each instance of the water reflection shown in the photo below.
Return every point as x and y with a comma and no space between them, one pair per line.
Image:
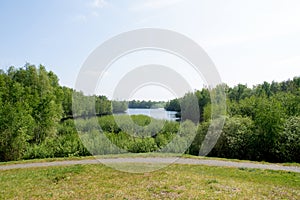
157,113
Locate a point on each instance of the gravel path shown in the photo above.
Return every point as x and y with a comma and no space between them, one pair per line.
209,162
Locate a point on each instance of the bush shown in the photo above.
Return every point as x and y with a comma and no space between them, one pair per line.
108,124
142,145
202,129
236,140
288,146
43,150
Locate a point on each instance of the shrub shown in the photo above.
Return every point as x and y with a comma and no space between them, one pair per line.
288,146
236,140
142,145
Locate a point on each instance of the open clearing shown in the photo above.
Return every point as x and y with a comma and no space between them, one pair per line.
176,181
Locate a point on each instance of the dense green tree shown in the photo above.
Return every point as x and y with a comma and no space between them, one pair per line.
203,99
16,122
238,92
269,120
237,139
66,100
190,108
36,120
119,106
173,105
103,105
288,144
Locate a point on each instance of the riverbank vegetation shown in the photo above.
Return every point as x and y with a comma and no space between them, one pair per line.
146,104
39,119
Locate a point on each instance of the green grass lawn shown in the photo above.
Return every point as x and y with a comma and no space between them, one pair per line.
173,182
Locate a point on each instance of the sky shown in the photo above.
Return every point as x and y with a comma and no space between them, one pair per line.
248,41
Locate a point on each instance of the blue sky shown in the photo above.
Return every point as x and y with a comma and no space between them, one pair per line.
249,41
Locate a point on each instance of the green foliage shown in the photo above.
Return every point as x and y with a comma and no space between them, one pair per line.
145,104
136,134
206,116
119,106
203,97
190,108
16,126
288,144
32,105
269,120
38,117
108,124
66,99
170,127
66,143
173,105
83,105
181,141
142,145
141,120
202,129
237,139
103,106
257,123
238,92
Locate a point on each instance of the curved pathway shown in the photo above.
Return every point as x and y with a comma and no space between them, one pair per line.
209,162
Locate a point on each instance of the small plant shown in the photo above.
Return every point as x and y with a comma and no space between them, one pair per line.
210,181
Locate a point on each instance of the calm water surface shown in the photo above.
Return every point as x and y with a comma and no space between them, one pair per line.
157,113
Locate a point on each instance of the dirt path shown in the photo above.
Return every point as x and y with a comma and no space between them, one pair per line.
209,162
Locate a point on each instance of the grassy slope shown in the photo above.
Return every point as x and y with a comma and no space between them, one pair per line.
174,181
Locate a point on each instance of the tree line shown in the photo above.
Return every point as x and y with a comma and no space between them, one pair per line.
36,121
262,122
145,104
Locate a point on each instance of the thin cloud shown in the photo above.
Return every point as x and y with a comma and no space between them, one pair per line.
80,18
92,10
153,4
98,3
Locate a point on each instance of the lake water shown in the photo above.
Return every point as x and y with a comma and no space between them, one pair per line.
157,113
